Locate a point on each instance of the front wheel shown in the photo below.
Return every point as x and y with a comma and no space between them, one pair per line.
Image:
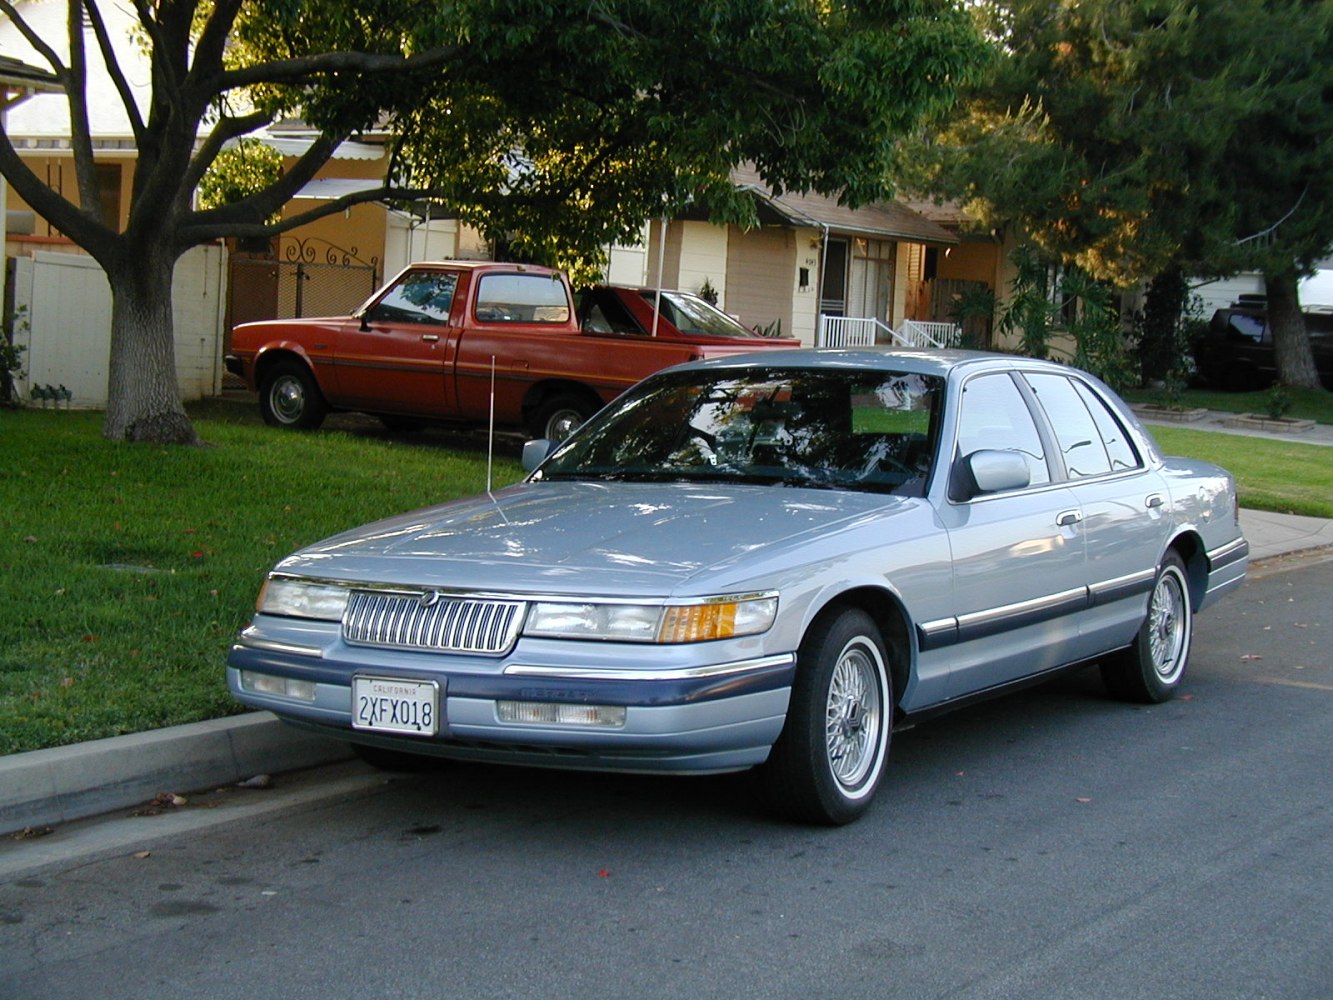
827,763
1152,668
289,396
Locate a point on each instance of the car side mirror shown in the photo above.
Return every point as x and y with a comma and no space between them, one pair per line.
536,452
989,471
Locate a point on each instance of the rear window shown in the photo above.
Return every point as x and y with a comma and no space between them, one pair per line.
521,298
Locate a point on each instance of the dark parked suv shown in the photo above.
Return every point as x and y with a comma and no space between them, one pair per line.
1236,351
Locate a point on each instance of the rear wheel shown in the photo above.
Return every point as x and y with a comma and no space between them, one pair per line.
290,397
1152,668
560,415
826,765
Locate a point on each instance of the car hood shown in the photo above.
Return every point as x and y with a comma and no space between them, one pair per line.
580,537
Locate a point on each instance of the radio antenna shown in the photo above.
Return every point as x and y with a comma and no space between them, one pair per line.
490,447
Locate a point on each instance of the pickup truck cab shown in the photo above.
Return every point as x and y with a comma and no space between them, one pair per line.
441,339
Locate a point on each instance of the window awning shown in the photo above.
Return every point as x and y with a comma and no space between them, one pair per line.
331,188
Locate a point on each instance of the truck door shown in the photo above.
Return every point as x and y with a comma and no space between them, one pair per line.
398,358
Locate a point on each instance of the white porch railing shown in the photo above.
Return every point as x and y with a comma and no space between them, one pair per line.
919,334
855,331
851,331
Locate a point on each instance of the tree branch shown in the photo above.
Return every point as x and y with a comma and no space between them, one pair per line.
206,226
303,68
109,57
226,129
80,130
35,40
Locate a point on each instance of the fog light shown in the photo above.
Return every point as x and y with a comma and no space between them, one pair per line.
542,713
283,687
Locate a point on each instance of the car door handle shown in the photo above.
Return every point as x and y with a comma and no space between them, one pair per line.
1153,501
430,338
1069,517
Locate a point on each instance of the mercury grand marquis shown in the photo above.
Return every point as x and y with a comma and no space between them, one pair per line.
760,562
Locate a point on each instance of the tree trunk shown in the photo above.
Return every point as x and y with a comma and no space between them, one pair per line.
143,393
1161,351
1291,341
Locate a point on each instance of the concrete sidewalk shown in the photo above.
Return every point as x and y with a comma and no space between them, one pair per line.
48,787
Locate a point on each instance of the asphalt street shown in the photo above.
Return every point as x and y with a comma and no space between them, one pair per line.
1049,844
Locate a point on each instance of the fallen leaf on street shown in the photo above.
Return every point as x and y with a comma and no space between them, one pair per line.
33,832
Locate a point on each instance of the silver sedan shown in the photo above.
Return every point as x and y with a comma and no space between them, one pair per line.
760,562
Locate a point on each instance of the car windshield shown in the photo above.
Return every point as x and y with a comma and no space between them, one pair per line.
823,428
691,314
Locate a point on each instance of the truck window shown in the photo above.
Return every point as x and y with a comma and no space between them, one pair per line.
521,298
421,297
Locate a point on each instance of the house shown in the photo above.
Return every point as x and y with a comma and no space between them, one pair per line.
809,257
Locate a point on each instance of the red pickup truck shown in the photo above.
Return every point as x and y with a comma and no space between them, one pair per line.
427,346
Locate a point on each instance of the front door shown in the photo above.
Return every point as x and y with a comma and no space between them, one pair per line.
1018,556
397,359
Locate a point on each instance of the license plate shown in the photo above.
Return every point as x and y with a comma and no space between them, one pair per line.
388,705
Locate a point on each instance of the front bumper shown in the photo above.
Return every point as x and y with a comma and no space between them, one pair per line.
697,716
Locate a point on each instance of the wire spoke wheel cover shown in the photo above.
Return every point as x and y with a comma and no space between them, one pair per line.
855,713
1167,617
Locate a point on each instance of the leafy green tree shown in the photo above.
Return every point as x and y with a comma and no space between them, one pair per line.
1140,139
562,124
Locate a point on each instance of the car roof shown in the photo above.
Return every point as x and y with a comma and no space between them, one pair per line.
483,265
922,361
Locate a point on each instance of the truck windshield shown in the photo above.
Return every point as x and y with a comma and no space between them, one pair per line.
691,314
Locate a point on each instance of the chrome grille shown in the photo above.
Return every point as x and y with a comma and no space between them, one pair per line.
432,622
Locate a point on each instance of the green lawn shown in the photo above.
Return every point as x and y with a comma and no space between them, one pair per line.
1281,476
128,569
1306,404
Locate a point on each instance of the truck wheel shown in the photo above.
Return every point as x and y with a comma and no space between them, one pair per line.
827,763
290,397
1151,669
560,415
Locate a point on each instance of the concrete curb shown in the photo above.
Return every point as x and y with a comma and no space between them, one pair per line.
49,787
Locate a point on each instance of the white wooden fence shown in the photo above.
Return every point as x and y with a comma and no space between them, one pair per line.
63,319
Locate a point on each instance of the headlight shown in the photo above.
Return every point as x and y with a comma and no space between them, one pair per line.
295,598
697,621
